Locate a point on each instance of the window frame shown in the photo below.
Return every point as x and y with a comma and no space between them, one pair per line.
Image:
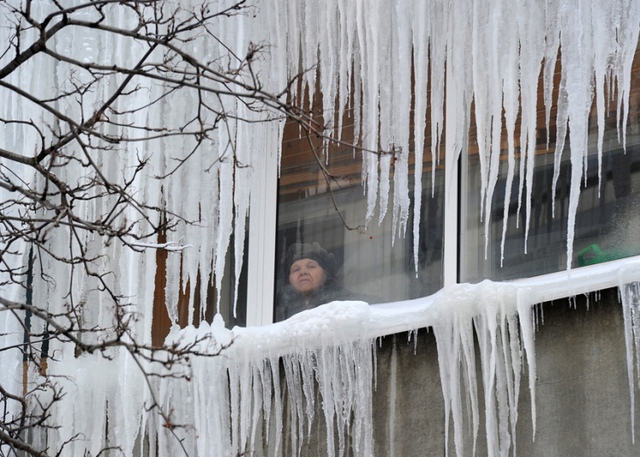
262,244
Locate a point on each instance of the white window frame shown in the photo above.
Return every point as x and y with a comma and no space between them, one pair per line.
451,228
262,244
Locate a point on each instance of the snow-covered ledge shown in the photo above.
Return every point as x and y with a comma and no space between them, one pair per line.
408,315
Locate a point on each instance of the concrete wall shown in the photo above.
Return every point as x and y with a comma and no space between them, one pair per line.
582,389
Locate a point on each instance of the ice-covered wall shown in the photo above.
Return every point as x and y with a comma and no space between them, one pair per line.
268,391
488,52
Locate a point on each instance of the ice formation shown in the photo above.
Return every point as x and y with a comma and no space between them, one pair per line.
488,52
318,367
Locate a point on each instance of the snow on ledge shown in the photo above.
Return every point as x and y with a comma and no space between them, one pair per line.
339,321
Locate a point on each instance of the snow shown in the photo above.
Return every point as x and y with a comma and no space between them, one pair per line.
462,51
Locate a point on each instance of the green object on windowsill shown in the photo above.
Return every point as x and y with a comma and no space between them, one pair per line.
593,254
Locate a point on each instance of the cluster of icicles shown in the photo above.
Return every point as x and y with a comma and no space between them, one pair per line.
462,51
308,382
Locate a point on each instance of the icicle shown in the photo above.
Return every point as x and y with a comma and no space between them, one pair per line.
628,33
326,17
225,213
393,380
500,357
456,360
532,34
384,45
246,141
577,69
346,53
368,43
401,53
459,76
629,290
603,45
420,45
528,327
384,185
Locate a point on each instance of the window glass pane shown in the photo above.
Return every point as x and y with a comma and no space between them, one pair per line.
605,216
323,202
233,309
200,308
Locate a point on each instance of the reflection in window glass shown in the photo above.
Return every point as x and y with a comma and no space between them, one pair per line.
234,312
233,309
605,217
323,202
192,311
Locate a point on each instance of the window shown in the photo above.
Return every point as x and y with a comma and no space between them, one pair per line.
321,199
605,211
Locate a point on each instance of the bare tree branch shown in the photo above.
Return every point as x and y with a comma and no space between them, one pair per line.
55,184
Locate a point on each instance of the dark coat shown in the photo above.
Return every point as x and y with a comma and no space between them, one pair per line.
289,301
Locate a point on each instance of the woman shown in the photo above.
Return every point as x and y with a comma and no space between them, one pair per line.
309,280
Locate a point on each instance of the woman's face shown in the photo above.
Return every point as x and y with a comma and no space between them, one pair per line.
306,275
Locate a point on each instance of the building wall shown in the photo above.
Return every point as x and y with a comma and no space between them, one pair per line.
582,389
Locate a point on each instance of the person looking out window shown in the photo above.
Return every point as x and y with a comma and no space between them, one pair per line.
309,272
